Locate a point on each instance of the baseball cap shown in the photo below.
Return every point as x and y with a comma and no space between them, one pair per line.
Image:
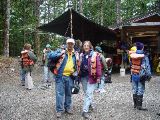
70,40
48,46
98,49
139,45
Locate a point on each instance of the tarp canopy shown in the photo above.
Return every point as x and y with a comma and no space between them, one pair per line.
72,23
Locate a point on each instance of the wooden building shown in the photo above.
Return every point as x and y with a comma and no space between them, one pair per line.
145,29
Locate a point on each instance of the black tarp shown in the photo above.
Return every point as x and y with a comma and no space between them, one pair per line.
82,28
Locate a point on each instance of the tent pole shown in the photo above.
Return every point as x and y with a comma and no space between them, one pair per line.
71,24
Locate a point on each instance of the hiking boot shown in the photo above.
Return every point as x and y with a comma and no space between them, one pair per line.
23,83
28,89
109,81
58,114
69,112
158,114
91,109
49,87
141,108
135,100
85,115
139,103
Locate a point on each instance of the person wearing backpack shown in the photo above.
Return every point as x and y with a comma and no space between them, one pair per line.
48,75
28,59
78,46
65,68
90,73
140,72
107,74
100,86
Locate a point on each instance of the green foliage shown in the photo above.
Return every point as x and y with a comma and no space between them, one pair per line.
56,42
22,24
23,21
140,7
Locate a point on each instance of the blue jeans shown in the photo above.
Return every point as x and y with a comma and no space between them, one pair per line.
84,81
22,76
88,90
63,87
48,76
101,84
138,87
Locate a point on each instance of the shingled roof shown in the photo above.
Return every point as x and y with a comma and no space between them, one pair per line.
152,16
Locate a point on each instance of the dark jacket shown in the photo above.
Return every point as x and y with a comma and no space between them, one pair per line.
92,79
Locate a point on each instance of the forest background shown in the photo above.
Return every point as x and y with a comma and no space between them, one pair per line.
19,19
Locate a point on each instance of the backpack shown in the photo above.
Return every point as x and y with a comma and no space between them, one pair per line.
109,64
158,68
102,66
26,60
145,70
136,61
136,65
140,67
52,64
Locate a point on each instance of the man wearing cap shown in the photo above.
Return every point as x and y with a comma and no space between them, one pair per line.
140,68
48,76
63,82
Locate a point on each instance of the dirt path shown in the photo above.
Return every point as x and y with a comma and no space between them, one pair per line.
17,103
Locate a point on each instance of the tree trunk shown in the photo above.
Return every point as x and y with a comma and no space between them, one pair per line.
101,13
37,38
158,5
158,38
48,19
6,28
118,9
23,23
81,6
45,13
1,33
49,13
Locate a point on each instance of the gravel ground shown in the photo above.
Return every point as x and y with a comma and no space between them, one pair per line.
17,103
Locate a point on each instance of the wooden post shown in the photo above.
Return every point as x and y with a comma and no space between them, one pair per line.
118,9
158,43
71,24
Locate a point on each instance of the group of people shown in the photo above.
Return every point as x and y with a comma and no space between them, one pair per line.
89,65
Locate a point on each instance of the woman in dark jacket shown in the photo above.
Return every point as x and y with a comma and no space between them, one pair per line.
90,74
